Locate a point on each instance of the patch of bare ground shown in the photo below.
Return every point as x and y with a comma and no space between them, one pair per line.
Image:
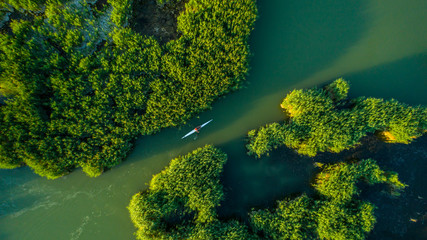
160,22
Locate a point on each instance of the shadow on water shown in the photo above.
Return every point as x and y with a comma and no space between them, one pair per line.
394,214
257,183
406,80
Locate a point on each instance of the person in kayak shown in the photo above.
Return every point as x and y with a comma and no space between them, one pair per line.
197,129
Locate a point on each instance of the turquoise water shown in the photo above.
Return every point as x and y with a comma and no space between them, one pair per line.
380,47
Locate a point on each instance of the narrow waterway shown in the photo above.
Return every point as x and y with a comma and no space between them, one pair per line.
379,46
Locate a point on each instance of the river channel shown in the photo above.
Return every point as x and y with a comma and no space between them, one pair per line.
380,47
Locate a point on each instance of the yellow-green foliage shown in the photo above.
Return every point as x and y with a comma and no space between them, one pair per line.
335,214
81,86
338,181
338,90
268,138
181,200
195,177
292,219
22,5
403,122
323,121
231,230
121,12
352,220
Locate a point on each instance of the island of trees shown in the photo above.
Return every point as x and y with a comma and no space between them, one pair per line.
325,120
181,203
80,84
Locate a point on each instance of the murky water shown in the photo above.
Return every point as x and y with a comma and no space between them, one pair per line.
379,46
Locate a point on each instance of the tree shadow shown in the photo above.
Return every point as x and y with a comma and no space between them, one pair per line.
259,183
150,19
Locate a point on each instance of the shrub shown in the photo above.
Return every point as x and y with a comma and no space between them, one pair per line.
181,200
334,214
324,121
81,86
338,181
292,219
352,220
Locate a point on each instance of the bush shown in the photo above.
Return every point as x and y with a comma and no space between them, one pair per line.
181,200
292,219
352,220
338,181
81,86
324,121
334,214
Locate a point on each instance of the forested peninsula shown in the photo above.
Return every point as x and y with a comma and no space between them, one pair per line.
79,84
326,120
181,203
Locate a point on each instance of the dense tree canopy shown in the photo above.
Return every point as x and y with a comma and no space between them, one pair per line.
81,86
338,182
22,5
292,219
322,120
181,200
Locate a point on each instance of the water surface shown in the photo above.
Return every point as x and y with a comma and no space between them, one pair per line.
380,47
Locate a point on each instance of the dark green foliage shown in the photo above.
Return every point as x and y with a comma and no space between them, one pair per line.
231,230
208,60
338,90
324,121
121,12
265,139
163,2
336,214
22,5
292,219
195,177
352,220
82,87
181,201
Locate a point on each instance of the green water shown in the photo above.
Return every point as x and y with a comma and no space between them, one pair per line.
379,46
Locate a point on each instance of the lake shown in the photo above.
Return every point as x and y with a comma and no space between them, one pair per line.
379,47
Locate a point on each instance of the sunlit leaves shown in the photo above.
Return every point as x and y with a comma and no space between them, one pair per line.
335,213
292,219
338,181
323,120
352,220
82,86
181,201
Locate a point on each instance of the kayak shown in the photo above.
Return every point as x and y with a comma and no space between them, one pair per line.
194,130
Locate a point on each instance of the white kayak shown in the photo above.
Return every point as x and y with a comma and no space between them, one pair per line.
194,130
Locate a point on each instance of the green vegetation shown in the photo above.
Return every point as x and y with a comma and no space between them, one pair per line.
21,5
81,86
322,120
292,219
335,214
338,182
181,200
181,203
